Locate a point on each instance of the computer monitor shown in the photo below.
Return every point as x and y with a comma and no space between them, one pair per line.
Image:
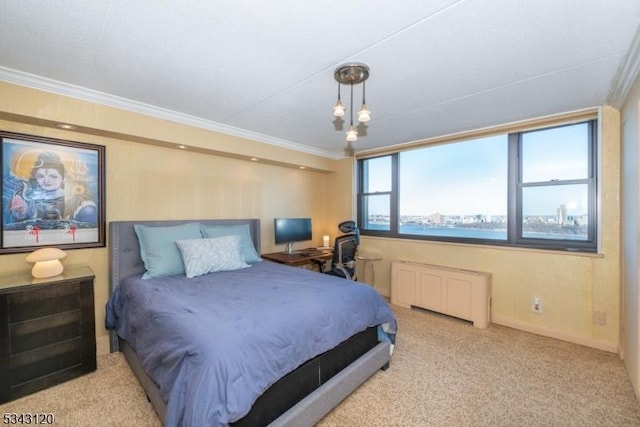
290,230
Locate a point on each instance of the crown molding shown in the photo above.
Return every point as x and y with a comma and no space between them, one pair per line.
626,75
49,85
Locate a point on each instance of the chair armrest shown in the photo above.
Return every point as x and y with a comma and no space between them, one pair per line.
319,262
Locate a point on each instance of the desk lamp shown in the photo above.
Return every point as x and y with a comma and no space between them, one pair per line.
47,262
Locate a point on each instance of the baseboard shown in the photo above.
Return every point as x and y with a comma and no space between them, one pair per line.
552,333
102,345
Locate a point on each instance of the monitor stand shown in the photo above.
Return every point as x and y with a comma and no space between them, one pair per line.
290,248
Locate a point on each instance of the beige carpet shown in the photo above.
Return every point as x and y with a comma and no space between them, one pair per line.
444,372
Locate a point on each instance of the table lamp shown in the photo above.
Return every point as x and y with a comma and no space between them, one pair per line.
47,262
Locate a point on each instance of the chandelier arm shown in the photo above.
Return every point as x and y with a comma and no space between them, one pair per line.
351,105
352,133
338,109
363,86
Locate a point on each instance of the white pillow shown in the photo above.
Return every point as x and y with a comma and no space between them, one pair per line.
202,256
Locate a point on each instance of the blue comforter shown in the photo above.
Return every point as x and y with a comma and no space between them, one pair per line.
214,343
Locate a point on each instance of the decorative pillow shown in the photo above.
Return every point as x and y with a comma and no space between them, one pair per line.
246,243
202,256
158,248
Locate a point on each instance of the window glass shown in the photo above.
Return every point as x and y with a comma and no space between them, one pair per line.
457,189
377,174
555,212
529,188
377,208
556,154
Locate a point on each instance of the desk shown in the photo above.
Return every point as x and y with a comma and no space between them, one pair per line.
299,257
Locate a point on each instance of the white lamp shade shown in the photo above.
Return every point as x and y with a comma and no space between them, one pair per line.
338,109
325,240
352,134
364,115
42,269
47,262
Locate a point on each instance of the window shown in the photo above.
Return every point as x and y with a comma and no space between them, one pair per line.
532,188
556,184
376,185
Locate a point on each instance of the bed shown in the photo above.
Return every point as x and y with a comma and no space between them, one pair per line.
219,349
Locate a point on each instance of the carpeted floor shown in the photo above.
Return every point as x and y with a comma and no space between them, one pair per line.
444,372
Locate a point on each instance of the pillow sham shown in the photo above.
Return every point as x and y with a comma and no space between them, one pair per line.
203,256
158,248
246,243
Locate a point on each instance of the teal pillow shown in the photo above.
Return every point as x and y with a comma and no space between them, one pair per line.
158,248
246,244
203,256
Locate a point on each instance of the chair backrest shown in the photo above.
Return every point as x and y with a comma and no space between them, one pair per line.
350,227
343,262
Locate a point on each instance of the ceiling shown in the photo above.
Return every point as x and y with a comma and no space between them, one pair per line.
264,70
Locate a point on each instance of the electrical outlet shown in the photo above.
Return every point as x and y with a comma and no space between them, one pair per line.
600,317
536,305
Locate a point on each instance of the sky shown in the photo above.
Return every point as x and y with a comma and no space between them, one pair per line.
470,177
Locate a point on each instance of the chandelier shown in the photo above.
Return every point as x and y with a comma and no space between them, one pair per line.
352,74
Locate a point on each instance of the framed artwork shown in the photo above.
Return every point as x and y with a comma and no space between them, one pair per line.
52,193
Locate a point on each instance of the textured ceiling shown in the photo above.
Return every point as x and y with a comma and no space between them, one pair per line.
264,70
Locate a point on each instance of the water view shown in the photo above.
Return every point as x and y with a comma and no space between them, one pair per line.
535,228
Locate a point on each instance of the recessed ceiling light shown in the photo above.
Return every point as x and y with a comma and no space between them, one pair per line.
302,167
182,147
65,126
254,159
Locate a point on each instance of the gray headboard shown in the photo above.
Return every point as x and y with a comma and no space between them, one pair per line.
124,250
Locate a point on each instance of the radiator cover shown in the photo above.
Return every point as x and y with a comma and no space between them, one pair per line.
460,293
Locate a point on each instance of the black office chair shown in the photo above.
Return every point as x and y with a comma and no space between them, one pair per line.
345,247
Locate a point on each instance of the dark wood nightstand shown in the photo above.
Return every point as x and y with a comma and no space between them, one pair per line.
47,331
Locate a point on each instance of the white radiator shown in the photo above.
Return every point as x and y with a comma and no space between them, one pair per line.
460,293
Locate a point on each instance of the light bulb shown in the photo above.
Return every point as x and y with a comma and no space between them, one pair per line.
364,115
352,134
338,109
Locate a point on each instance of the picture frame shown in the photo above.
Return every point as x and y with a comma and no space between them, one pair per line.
53,193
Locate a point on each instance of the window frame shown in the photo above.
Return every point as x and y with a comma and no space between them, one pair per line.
515,188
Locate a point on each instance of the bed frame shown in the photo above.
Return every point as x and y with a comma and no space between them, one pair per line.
302,397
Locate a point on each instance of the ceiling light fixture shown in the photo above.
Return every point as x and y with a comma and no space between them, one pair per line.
352,74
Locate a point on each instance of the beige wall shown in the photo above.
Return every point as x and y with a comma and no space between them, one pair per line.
340,198
150,180
145,181
630,322
571,286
